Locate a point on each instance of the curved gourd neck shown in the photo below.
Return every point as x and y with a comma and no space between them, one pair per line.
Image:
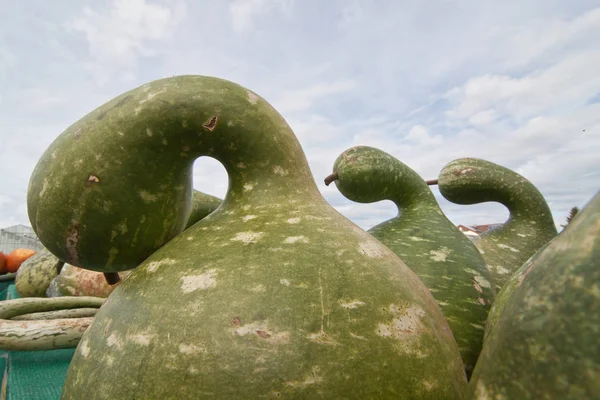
369,175
187,117
117,184
527,214
413,198
474,181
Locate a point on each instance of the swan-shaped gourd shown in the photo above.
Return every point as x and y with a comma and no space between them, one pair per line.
443,258
529,226
272,294
544,344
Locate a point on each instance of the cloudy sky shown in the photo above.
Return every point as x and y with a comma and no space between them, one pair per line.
513,82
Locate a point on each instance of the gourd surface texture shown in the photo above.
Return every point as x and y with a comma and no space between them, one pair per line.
202,205
423,237
274,294
36,273
529,226
544,345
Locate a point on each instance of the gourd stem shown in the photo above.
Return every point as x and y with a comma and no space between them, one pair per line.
330,178
432,182
112,278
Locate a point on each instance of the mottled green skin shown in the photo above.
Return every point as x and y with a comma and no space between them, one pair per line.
545,344
202,205
36,273
441,256
129,178
529,226
507,291
273,294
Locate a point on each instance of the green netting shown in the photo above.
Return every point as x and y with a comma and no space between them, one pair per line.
36,375
3,356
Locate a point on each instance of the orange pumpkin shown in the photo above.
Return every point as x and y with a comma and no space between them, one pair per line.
2,263
16,257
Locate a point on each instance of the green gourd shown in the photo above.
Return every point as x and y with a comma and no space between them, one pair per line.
529,226
37,276
544,345
202,205
507,291
36,273
443,257
273,294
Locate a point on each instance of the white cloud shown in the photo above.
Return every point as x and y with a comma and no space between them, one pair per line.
244,12
351,13
8,60
420,136
210,177
117,37
40,98
571,82
523,44
305,98
483,118
315,129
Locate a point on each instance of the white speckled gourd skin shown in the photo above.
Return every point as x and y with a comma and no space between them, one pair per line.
530,224
545,342
36,273
421,235
274,294
202,205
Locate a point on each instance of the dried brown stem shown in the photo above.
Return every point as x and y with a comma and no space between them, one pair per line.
331,178
112,278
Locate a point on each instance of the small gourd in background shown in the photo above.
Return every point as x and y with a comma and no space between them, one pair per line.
529,226
423,237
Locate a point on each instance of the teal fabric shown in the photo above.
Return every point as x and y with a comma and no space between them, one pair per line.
4,285
36,375
11,292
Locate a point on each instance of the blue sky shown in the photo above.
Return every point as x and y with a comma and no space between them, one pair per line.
515,83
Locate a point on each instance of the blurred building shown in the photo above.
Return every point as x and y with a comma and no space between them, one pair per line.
468,231
19,236
486,228
473,232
